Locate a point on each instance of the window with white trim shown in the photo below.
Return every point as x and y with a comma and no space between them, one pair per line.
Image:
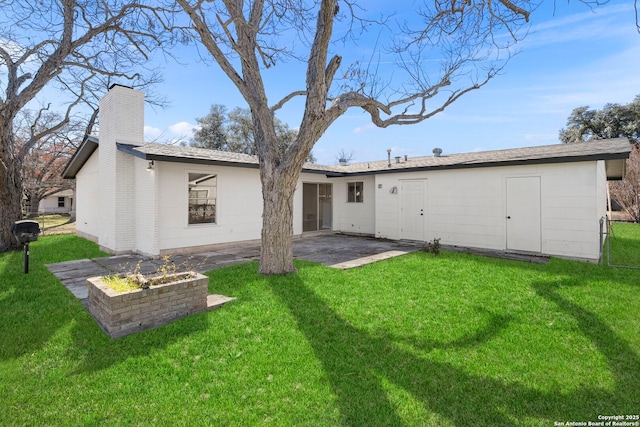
354,192
203,193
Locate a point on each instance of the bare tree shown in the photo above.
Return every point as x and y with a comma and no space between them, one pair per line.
43,165
469,42
245,38
627,191
344,156
71,45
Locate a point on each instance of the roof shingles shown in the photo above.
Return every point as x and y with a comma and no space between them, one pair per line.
595,150
602,150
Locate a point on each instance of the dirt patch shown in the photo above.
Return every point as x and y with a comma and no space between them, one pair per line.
66,228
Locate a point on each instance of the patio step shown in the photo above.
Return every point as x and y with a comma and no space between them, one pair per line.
367,260
215,301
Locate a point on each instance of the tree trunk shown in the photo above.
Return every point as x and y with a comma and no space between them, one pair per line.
278,187
10,193
34,204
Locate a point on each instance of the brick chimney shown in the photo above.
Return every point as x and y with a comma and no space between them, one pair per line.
121,121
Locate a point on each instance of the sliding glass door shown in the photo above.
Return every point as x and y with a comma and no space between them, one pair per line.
317,208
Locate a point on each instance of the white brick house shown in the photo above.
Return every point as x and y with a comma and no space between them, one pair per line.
157,199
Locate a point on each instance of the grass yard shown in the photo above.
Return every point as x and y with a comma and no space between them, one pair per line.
54,224
419,340
624,249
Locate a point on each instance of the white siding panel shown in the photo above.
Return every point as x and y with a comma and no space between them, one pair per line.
601,190
570,214
238,212
88,218
388,206
354,217
466,207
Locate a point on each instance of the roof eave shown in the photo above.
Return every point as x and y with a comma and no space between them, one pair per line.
80,157
131,149
472,165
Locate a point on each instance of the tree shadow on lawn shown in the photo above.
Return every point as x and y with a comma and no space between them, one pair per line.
34,307
97,351
357,364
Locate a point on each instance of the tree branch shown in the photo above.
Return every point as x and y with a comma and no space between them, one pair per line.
287,98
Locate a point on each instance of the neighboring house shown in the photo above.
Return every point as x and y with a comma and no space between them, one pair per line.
58,203
157,199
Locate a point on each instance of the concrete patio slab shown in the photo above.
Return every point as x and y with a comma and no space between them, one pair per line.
337,250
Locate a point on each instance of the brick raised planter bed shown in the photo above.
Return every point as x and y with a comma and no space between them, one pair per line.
123,313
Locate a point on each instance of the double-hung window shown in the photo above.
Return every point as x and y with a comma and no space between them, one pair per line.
354,192
203,193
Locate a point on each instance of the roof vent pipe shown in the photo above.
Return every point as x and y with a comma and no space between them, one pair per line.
389,157
406,157
437,152
397,159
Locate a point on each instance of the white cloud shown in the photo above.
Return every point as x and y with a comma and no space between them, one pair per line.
182,129
151,133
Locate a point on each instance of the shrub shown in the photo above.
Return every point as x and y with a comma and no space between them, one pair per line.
432,247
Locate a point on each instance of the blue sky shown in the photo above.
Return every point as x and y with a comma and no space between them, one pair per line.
573,56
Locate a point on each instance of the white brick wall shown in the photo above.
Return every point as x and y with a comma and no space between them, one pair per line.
146,207
121,120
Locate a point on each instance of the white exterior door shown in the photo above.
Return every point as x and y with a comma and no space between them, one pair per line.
523,214
413,209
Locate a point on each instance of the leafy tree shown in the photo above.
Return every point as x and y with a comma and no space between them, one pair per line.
457,47
211,132
233,132
612,121
74,46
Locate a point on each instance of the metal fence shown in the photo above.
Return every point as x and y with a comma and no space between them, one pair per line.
620,243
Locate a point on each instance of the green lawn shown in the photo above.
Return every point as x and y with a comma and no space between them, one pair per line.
50,220
624,249
448,340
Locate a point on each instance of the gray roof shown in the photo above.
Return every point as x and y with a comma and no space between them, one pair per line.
608,149
164,151
611,150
